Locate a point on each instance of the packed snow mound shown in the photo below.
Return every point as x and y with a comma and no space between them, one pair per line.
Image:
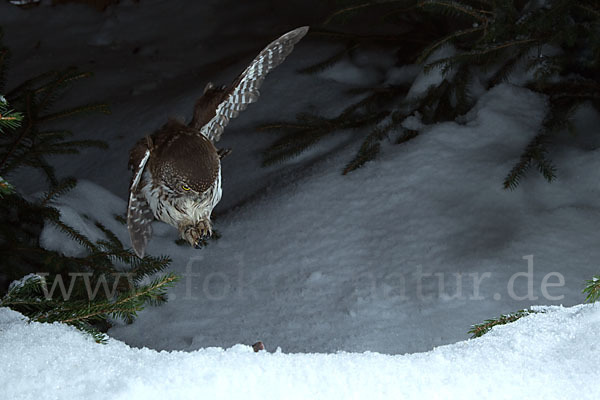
551,355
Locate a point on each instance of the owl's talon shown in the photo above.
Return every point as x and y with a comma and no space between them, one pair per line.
195,234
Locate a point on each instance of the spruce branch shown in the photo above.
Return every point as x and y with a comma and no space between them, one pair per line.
29,145
29,85
449,38
56,191
99,107
330,61
5,187
503,73
81,311
73,233
104,262
62,79
121,219
407,135
313,128
459,7
126,305
359,38
592,289
478,55
488,35
481,329
71,146
27,294
49,92
369,149
535,153
9,119
357,7
24,132
589,9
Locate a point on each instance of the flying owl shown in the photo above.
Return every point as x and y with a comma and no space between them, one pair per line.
177,170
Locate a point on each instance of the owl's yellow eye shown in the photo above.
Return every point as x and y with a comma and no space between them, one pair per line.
185,187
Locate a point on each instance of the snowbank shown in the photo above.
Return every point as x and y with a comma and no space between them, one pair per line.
552,355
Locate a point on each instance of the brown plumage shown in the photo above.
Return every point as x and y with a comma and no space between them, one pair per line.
177,157
177,170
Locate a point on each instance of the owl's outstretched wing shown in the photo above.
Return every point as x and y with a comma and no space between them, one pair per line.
139,214
244,90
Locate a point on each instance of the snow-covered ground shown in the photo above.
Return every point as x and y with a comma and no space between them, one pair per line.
379,260
553,355
398,257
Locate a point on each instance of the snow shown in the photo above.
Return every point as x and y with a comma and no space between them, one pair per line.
347,275
80,208
435,75
19,283
382,275
348,72
551,355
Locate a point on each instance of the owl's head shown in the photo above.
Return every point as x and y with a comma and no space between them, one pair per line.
188,164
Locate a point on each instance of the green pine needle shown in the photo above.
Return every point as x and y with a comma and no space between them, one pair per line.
478,330
105,281
494,37
9,119
592,289
5,187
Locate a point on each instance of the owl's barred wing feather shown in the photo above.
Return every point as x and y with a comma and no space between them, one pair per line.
177,151
139,171
139,214
139,223
244,89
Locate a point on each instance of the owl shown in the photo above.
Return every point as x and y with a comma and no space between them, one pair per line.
177,170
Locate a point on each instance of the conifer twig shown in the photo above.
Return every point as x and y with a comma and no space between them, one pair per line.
478,330
455,5
122,305
355,7
25,131
592,289
428,50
